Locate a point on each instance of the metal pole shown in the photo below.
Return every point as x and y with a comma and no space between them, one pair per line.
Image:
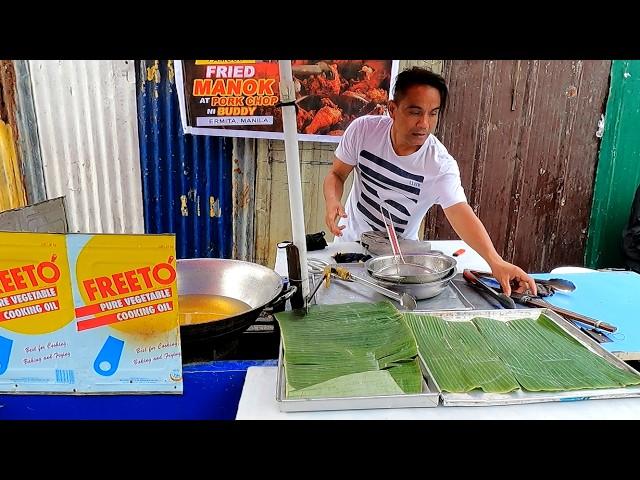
288,94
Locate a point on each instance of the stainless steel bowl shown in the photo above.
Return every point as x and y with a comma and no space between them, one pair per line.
439,264
420,291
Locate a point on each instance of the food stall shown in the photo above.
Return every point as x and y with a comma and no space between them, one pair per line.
263,394
214,390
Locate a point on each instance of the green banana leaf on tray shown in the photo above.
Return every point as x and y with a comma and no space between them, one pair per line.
502,356
371,349
349,350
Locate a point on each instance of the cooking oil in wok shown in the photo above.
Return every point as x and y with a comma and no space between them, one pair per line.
194,309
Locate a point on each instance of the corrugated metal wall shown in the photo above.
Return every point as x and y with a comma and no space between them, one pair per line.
244,198
186,179
28,139
618,173
524,135
86,114
12,191
272,216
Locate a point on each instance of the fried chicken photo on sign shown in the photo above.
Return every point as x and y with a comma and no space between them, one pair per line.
323,84
327,116
371,76
377,95
303,117
355,87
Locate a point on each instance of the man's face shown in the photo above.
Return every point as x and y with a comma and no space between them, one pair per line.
416,115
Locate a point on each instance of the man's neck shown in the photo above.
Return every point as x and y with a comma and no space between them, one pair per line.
400,148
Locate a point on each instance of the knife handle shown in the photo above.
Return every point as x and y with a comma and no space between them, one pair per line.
538,302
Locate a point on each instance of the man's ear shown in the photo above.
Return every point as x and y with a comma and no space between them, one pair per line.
391,107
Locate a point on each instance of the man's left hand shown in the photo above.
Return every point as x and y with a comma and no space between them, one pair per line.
506,273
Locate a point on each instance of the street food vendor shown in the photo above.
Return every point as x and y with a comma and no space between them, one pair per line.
402,169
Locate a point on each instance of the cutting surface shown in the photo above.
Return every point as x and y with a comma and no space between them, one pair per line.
612,297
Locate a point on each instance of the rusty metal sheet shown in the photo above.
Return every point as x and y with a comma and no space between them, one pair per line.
12,192
244,198
523,133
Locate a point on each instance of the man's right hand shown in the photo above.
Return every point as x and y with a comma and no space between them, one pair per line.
332,189
333,213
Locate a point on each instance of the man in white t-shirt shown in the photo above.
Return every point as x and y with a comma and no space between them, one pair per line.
401,169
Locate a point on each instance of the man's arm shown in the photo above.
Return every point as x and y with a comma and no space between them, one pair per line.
333,188
470,229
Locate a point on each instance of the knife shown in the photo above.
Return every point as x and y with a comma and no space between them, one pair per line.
540,303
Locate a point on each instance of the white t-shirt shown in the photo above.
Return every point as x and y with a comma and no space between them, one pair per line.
409,185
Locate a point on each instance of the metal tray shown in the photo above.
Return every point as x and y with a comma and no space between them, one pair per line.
340,291
480,398
428,398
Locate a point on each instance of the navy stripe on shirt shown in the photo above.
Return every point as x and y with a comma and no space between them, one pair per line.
376,228
398,206
376,207
388,181
369,178
390,166
370,189
395,219
373,218
370,215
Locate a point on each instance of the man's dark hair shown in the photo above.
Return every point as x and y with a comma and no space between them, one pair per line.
419,76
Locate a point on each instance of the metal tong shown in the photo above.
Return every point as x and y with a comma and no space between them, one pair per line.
319,266
408,269
473,279
552,285
533,301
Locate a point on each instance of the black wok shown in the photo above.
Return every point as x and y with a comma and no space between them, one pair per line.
258,286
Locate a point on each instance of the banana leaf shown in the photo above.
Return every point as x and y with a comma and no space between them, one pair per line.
333,341
543,357
458,357
499,357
